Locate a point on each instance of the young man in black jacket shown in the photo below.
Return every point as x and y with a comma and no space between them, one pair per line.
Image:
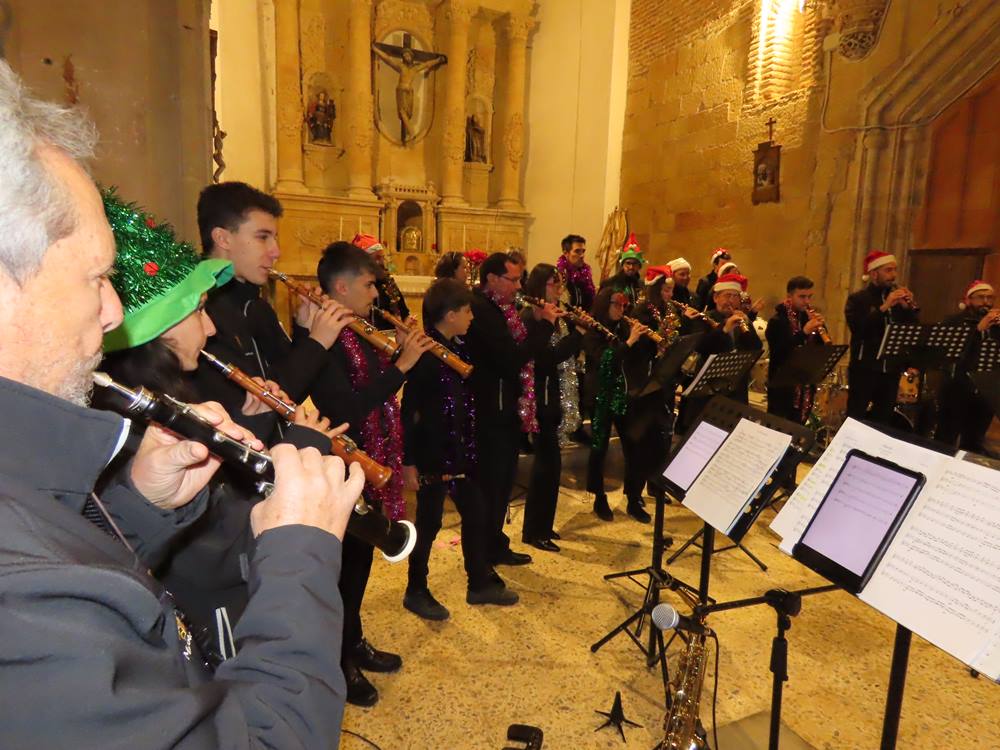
791,326
500,348
358,385
703,297
439,438
964,415
240,224
84,630
872,382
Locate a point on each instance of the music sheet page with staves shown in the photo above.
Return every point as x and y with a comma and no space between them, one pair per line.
791,522
695,454
735,474
941,576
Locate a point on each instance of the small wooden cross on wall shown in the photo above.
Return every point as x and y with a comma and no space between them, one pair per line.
770,129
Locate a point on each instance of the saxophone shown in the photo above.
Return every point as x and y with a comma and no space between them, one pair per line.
683,727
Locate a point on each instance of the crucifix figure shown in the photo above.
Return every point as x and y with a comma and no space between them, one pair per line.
409,63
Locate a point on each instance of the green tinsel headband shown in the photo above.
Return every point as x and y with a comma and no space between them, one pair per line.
158,279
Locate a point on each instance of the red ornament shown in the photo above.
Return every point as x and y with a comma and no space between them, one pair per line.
151,268
150,223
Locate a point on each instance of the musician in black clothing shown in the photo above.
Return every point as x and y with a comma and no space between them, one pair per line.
628,280
873,383
500,348
965,415
240,224
703,297
793,325
681,273
545,283
576,273
358,385
439,441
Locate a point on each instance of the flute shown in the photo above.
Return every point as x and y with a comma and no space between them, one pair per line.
359,325
342,446
395,539
823,333
440,351
574,315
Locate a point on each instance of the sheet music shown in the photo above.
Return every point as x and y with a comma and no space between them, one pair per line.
696,452
791,522
697,378
941,576
736,473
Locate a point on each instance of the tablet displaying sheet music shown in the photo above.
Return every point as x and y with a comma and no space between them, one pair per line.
693,456
857,519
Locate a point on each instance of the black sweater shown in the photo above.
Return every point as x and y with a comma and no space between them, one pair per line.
547,368
867,323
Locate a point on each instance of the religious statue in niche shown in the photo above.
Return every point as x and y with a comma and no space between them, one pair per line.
475,140
766,169
411,66
320,115
410,240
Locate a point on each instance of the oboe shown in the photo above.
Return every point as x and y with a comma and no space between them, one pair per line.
395,539
359,325
574,315
698,313
440,351
342,446
823,333
649,332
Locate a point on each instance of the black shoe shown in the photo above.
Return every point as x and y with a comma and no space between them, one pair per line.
580,436
545,544
602,509
510,557
422,603
492,594
637,512
370,659
360,692
554,535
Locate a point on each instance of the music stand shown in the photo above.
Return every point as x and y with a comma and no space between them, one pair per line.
930,346
721,373
667,368
808,365
988,385
988,359
899,339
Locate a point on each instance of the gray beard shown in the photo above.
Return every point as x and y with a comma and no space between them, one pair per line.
78,384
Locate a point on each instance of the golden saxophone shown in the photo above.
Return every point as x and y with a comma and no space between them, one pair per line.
683,728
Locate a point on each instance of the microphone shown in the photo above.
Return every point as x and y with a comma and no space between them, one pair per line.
666,617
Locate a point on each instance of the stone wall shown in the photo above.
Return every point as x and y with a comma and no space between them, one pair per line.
704,79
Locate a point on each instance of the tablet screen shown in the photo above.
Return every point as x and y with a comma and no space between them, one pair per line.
694,455
857,513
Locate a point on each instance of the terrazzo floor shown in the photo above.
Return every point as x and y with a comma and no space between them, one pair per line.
466,680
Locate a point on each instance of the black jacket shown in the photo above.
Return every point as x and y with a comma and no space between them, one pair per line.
580,295
497,361
780,339
391,300
867,323
683,295
970,356
547,363
703,292
717,341
249,335
86,633
433,441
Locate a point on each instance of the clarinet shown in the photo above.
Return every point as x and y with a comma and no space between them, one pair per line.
341,446
359,325
649,332
440,351
395,539
574,315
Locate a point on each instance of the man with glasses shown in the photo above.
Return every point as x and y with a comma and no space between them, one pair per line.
501,348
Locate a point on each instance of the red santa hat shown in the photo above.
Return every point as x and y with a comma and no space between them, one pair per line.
655,273
367,243
976,286
731,282
727,267
718,253
876,259
678,264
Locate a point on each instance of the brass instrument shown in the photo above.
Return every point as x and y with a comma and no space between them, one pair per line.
821,331
359,325
683,729
438,350
341,446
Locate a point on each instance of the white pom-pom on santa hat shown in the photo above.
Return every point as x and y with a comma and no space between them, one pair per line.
976,286
876,259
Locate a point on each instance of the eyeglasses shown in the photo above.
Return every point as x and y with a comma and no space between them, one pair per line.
512,280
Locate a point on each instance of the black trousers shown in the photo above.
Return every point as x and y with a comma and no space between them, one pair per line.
631,450
781,401
355,567
471,506
497,446
869,388
965,416
543,491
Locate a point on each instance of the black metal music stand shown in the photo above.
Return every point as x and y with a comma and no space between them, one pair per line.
929,347
721,373
667,368
725,414
808,365
988,358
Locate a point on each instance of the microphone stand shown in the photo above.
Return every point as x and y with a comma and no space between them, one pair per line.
786,605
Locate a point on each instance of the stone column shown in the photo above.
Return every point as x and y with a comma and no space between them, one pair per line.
518,28
459,16
358,106
289,97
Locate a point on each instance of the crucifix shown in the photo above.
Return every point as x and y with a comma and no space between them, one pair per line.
770,129
409,63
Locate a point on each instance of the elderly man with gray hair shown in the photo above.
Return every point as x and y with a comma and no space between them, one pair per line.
93,652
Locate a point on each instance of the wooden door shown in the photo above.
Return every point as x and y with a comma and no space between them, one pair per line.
938,278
